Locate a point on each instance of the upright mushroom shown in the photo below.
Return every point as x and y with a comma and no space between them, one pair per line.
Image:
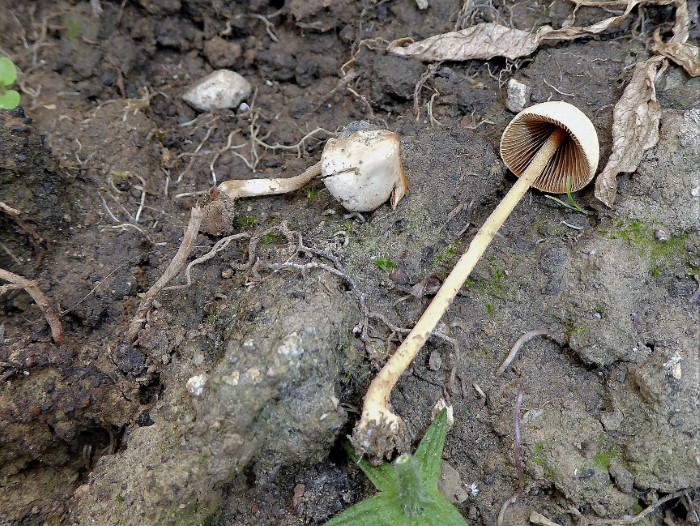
551,146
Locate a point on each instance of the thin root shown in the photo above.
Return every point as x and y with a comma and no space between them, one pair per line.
171,271
39,298
516,348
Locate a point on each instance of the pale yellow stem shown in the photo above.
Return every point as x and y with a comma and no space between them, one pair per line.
254,187
377,397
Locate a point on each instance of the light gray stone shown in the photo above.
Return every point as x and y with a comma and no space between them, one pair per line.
219,90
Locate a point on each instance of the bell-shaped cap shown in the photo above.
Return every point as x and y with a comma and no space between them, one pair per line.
575,160
363,169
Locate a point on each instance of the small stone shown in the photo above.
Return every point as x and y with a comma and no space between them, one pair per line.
518,95
611,420
195,385
661,235
435,361
422,4
623,479
219,90
451,485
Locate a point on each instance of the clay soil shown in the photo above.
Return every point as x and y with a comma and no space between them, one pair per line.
290,319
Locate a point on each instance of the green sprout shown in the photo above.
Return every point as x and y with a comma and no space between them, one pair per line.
247,221
408,488
572,204
385,264
9,98
269,239
311,193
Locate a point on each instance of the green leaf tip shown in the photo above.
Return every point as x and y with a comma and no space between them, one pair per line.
408,488
9,100
8,72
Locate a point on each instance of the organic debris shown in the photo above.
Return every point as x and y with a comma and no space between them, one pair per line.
361,168
635,127
637,114
19,282
488,40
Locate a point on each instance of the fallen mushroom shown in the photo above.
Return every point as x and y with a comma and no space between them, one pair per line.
361,168
547,146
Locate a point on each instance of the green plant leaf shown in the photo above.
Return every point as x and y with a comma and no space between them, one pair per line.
429,452
9,100
441,512
411,497
380,510
8,71
382,477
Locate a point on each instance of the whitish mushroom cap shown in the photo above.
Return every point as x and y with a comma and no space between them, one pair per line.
362,170
576,158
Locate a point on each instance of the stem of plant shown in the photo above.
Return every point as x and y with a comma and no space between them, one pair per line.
376,402
254,187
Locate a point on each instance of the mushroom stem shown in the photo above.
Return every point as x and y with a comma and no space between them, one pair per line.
377,419
254,187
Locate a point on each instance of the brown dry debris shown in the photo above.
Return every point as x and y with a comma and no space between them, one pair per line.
488,40
635,127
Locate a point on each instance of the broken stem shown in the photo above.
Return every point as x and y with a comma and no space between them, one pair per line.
174,268
254,187
40,299
376,404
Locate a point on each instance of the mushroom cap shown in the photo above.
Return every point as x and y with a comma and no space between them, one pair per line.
363,169
576,158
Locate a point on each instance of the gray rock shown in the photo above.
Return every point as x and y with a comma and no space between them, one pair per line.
623,479
518,95
220,89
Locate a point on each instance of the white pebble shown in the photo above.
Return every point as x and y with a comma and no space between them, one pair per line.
195,385
218,90
518,95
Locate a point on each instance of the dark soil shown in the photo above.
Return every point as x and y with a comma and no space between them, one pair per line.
105,160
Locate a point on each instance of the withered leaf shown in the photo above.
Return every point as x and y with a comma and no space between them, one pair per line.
481,42
635,127
487,40
685,55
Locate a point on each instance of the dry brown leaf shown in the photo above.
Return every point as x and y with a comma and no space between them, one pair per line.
481,42
681,27
685,55
635,127
486,40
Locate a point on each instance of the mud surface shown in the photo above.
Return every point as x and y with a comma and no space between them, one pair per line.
231,405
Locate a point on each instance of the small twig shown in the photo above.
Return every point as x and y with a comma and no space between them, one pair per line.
636,518
39,298
220,245
516,348
298,146
517,450
428,74
344,81
193,155
171,271
571,226
9,210
502,513
558,90
517,455
541,520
